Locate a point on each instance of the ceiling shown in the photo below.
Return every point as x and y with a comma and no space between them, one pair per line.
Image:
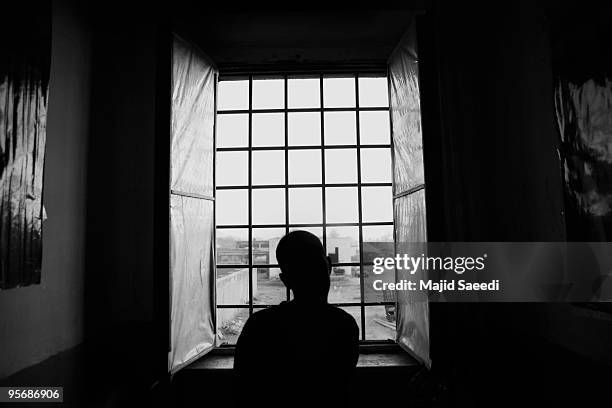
265,38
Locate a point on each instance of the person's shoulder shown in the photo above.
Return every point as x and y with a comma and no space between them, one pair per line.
260,321
343,317
267,314
340,313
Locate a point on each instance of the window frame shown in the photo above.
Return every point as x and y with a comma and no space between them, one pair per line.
322,148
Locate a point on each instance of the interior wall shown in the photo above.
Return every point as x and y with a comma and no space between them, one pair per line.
119,288
98,193
580,37
39,321
296,36
500,181
501,175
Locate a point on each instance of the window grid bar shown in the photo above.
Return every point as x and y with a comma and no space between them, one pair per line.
304,147
250,195
263,306
286,97
314,185
323,195
331,224
393,175
214,193
361,272
367,70
287,225
302,110
244,266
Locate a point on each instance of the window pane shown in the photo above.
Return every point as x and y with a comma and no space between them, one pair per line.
372,289
340,128
268,94
230,323
232,168
268,129
376,165
377,242
304,129
380,322
378,233
304,93
343,244
341,204
269,206
265,241
373,92
233,95
233,286
305,205
232,207
268,167
339,92
374,127
233,130
344,285
376,204
318,231
269,289
232,246
341,166
304,166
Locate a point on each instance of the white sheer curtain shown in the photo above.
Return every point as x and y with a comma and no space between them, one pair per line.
192,277
409,189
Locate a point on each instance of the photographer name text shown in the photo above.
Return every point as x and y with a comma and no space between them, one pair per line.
443,285
423,263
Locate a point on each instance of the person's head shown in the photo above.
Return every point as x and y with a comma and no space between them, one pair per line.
304,266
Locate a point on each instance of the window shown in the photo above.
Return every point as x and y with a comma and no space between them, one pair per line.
310,153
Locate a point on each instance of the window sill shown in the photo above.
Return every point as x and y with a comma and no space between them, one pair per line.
369,358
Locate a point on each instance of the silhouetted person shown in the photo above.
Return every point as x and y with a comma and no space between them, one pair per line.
301,352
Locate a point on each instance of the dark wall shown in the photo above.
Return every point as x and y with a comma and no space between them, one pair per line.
490,153
580,38
271,38
496,177
39,321
500,177
121,177
99,186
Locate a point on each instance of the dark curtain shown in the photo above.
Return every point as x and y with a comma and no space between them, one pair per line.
25,55
582,69
492,171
